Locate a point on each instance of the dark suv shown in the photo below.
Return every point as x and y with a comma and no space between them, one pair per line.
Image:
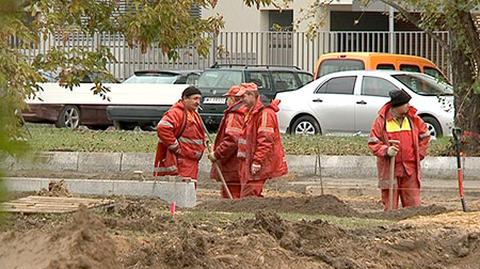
216,81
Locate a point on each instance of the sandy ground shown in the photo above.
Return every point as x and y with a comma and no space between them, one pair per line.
290,228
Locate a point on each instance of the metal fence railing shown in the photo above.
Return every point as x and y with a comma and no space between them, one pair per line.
265,48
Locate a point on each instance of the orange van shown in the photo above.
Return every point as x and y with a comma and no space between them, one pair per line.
344,61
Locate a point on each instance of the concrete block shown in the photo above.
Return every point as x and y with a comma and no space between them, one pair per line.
25,184
472,168
348,166
204,165
439,167
88,186
301,165
99,162
51,161
137,161
182,193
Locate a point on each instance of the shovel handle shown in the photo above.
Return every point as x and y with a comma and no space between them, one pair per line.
457,134
391,186
392,176
215,164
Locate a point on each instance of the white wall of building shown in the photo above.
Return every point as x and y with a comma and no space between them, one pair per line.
240,18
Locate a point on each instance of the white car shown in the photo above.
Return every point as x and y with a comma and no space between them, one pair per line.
348,102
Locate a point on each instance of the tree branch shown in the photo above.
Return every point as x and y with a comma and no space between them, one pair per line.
470,29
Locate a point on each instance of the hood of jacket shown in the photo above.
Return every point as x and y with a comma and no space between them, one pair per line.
385,108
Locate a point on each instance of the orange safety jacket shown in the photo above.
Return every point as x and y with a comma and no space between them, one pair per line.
182,129
261,143
226,143
413,137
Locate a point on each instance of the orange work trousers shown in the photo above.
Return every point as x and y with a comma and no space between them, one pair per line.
407,189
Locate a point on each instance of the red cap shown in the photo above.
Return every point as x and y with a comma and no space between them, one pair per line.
247,87
233,91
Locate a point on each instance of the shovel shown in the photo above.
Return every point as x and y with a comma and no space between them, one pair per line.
215,164
457,134
392,176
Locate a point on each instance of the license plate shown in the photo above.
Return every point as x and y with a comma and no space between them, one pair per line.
214,100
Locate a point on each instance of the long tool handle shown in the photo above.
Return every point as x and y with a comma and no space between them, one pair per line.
391,185
457,132
460,186
215,164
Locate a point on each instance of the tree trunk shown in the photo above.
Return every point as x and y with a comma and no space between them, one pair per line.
467,102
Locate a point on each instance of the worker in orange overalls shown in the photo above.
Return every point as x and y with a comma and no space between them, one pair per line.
397,120
226,143
181,138
260,146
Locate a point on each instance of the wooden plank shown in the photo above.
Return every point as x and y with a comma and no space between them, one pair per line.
48,204
39,210
42,204
57,199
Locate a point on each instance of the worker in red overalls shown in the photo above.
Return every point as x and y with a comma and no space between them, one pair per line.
260,147
397,120
226,143
181,138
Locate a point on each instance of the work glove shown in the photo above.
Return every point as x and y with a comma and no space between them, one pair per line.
392,151
175,148
255,168
211,157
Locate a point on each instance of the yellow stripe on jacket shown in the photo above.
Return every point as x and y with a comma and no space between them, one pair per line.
393,125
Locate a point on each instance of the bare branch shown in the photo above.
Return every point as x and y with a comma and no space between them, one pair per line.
470,29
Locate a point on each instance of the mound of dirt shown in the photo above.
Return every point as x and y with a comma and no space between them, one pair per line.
55,189
132,209
80,244
409,212
137,215
323,204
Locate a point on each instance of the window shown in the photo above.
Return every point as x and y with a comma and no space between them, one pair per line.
385,67
262,79
305,78
410,68
434,73
424,85
192,79
340,85
219,79
160,79
284,81
377,86
331,66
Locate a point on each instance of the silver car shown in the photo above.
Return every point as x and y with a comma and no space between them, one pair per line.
348,102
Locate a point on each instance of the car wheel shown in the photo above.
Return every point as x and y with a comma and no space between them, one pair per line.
433,127
98,127
305,125
148,127
69,117
122,125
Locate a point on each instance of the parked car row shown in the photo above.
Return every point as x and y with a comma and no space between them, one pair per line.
335,103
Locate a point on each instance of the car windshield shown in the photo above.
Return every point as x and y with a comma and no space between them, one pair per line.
219,79
157,79
424,85
331,66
